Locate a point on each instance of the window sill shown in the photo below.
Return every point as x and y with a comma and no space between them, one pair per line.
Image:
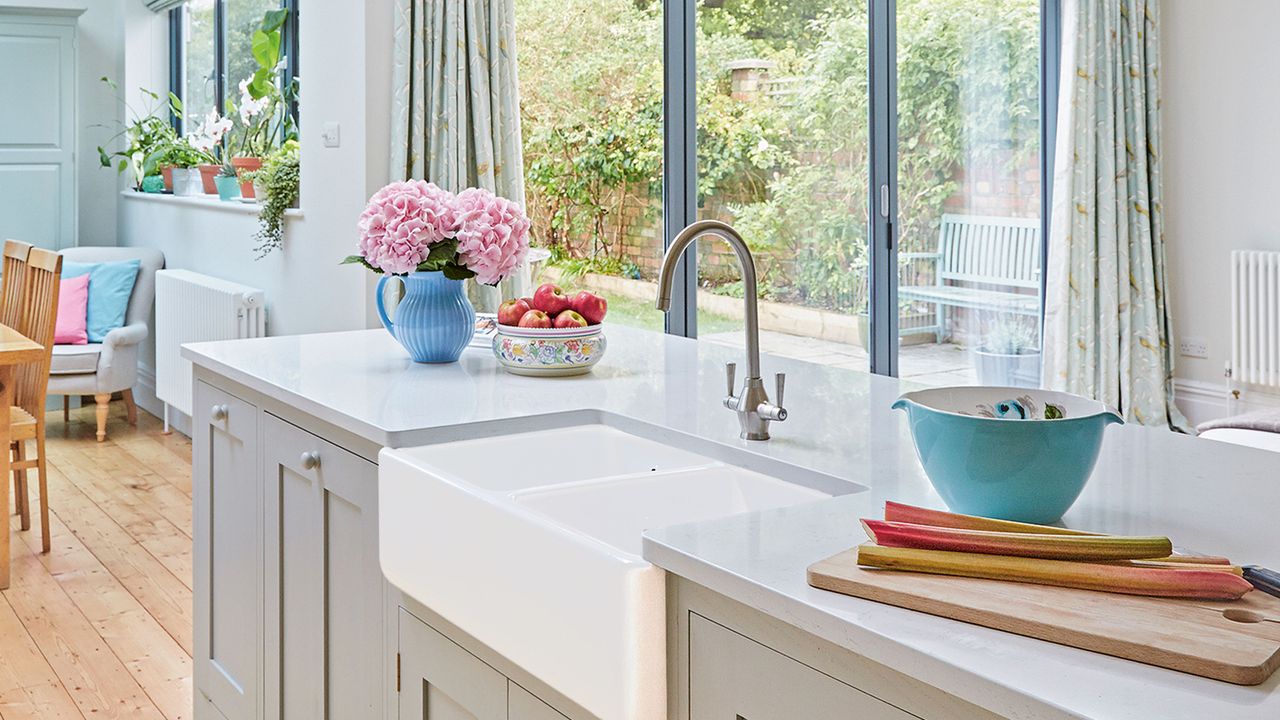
209,202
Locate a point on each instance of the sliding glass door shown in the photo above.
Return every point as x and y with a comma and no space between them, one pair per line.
968,191
782,155
883,159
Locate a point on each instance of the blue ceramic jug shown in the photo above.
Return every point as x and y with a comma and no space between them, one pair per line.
434,321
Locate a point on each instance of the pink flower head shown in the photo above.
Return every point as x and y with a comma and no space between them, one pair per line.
493,234
402,221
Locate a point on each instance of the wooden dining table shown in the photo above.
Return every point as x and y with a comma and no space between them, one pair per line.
15,349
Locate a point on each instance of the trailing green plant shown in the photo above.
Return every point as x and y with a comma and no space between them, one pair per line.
278,179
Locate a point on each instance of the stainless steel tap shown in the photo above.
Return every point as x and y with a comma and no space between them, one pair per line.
752,404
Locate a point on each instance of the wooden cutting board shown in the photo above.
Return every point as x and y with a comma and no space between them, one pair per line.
1187,635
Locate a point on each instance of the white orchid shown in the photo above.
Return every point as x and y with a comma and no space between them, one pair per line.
208,134
249,107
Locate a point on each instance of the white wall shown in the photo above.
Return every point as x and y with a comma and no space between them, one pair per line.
345,60
1221,102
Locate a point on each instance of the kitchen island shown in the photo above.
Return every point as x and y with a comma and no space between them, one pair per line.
294,618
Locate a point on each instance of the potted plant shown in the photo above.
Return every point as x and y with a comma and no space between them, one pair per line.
178,161
207,139
1009,353
144,136
263,108
278,182
228,183
434,240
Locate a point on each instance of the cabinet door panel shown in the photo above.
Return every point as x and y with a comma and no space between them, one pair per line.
226,519
323,604
439,680
732,677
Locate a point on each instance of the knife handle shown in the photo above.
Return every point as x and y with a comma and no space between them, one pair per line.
1268,581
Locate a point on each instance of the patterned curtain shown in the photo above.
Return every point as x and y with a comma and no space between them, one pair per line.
1107,328
456,104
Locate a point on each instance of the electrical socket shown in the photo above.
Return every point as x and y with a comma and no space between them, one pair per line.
1195,347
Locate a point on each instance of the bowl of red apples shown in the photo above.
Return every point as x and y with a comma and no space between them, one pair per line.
552,333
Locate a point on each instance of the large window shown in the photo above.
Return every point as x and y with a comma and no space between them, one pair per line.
883,159
591,115
211,39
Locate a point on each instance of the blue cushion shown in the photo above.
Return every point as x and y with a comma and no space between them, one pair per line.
110,285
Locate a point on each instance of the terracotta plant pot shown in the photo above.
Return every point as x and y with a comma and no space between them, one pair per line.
207,174
166,172
242,166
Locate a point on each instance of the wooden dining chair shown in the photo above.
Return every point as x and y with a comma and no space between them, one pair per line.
12,286
12,283
26,417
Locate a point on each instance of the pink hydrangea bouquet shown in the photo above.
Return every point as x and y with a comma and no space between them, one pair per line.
415,226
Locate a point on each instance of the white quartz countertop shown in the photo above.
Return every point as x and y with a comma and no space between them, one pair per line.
1208,496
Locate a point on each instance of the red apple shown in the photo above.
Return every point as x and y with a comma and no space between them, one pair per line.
510,312
535,319
570,319
550,299
528,301
590,306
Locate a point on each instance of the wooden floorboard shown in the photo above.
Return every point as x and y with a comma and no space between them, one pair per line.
101,627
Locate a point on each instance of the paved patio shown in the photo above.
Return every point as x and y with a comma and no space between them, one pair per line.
928,364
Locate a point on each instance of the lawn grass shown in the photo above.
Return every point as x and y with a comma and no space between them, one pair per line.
634,313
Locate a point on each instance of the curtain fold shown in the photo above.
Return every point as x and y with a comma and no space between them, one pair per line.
456,104
1107,328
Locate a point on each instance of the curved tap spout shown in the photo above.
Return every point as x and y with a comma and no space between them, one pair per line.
752,405
671,260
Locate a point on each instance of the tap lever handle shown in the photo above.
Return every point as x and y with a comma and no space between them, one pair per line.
780,381
730,369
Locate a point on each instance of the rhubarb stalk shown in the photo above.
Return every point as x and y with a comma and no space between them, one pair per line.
898,512
1116,578
1035,545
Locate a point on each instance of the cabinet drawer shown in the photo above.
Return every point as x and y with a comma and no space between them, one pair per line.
732,677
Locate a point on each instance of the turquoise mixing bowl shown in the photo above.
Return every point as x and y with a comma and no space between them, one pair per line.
1008,453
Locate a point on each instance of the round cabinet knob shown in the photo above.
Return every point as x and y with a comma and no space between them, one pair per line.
218,413
310,460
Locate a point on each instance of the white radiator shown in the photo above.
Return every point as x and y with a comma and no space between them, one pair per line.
1255,318
191,307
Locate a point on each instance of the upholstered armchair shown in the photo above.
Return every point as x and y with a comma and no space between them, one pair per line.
111,366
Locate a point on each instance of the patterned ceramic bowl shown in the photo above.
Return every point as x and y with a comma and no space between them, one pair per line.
1008,453
548,352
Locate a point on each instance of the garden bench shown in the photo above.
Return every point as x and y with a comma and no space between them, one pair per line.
981,264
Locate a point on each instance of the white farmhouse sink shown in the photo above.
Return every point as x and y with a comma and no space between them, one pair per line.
529,540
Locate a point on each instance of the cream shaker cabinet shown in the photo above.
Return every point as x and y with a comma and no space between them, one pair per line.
289,597
227,552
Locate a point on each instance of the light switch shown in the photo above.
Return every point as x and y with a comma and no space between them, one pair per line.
332,134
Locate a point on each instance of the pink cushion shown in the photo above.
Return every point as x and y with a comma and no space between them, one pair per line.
73,307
